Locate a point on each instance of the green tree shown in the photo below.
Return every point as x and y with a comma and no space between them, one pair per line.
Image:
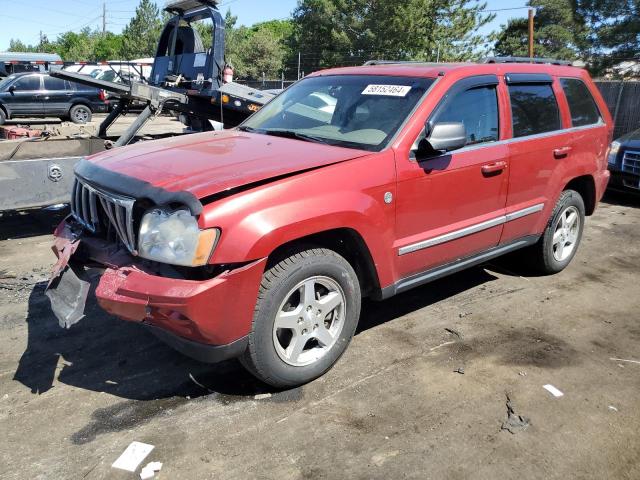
107,47
339,32
258,50
77,47
16,45
615,30
140,36
558,32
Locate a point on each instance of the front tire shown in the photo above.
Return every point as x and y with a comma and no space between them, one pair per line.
3,117
80,114
562,236
305,316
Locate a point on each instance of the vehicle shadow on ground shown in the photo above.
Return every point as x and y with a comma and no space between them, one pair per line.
104,354
622,198
30,223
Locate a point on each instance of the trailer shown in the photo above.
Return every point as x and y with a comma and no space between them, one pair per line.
187,78
18,62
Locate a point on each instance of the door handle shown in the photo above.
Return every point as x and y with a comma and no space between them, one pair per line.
562,152
495,167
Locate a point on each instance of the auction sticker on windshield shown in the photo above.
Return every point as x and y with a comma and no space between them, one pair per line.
387,90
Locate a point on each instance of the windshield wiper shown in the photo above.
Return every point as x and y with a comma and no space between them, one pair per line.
244,128
294,135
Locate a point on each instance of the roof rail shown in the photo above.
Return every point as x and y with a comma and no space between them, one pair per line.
551,61
393,62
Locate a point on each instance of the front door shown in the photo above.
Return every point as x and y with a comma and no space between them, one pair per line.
26,97
452,205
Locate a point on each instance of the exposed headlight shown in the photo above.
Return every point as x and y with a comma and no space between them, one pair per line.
173,237
614,148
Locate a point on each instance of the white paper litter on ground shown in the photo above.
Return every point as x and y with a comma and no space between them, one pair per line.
133,456
150,470
553,390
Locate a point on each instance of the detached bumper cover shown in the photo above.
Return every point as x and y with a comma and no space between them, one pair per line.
216,311
208,320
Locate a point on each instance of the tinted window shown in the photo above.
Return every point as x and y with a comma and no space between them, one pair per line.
477,109
52,83
581,104
31,82
534,109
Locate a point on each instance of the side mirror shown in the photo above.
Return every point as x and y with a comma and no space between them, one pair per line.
447,136
12,88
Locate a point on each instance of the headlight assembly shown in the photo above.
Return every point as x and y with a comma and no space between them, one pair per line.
613,152
173,237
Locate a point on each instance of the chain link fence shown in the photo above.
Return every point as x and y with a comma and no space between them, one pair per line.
266,84
623,100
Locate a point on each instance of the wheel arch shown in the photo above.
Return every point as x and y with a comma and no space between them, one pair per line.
6,111
348,243
585,185
80,101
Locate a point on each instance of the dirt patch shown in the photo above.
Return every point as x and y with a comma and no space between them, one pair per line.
519,347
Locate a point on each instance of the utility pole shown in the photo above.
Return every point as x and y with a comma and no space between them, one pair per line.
299,59
532,13
104,18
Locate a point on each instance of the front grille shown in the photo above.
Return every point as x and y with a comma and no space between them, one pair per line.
90,205
631,162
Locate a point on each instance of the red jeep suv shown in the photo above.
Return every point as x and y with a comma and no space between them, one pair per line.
260,242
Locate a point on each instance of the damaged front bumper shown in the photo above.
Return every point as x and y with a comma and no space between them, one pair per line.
205,319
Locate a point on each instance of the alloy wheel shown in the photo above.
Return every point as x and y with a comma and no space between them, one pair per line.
309,321
566,233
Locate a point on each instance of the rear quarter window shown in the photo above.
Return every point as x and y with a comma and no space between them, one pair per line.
582,106
534,109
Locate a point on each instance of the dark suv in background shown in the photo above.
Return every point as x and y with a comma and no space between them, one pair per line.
624,163
40,95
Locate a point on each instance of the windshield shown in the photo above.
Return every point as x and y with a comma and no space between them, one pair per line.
6,81
355,111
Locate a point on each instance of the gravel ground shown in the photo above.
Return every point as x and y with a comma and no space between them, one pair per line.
424,391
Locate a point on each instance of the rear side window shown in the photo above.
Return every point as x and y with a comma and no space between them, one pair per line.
534,109
581,103
52,83
477,109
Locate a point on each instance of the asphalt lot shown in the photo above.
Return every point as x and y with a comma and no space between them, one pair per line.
393,407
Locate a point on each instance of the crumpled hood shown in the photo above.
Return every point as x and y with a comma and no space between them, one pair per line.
208,163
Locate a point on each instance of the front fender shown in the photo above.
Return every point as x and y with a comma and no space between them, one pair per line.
256,223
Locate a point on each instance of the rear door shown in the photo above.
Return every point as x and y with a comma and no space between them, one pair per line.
26,99
538,150
57,96
452,205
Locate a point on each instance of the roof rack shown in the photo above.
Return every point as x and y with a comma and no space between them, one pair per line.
390,62
551,61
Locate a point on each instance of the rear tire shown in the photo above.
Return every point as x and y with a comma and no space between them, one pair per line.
561,238
305,316
80,114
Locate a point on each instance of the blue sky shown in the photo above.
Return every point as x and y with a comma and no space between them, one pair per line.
25,19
